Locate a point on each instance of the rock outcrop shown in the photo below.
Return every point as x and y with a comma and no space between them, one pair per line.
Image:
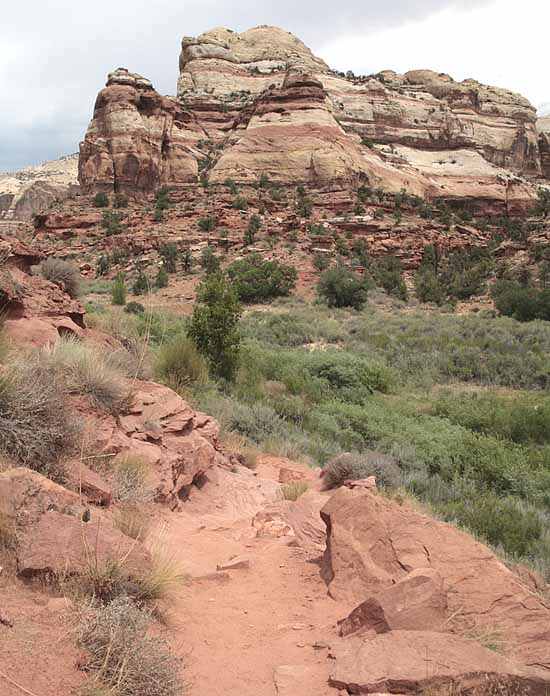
373,543
137,140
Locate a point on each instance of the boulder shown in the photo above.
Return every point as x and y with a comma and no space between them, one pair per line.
372,543
418,602
91,485
409,662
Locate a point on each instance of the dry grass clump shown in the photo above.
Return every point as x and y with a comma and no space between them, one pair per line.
84,369
133,521
179,365
355,465
121,655
63,273
36,428
131,479
294,489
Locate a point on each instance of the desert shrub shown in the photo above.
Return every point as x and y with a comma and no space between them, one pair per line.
111,221
120,201
103,265
504,522
131,479
133,520
240,203
258,280
101,200
179,364
122,656
207,223
161,279
231,185
209,261
321,262
162,199
360,465
63,273
294,489
339,287
258,423
169,254
85,370
519,418
35,422
524,303
252,229
134,308
464,272
141,284
292,329
388,274
118,290
214,326
428,287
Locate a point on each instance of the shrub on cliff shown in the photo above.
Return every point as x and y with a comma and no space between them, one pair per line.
101,200
388,273
258,280
360,465
209,261
112,222
339,287
214,326
169,254
63,273
141,284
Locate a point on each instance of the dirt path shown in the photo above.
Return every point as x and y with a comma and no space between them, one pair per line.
257,631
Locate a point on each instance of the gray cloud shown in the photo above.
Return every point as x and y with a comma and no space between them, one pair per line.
54,55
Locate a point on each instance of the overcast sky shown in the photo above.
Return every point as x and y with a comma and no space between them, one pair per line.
55,54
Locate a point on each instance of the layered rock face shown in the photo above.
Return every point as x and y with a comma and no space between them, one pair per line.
260,102
137,140
27,191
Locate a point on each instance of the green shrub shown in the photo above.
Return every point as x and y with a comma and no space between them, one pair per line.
101,200
121,655
118,291
214,326
207,224
141,284
162,278
254,225
258,280
428,287
63,273
169,254
103,265
464,272
231,185
134,308
388,274
112,222
240,203
321,262
179,365
209,260
523,303
339,287
121,201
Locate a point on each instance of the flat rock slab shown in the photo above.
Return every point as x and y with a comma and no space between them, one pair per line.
412,661
237,563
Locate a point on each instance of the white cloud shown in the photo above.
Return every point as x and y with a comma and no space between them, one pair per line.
501,44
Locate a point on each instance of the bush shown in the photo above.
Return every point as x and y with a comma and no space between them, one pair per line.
388,274
63,273
103,265
361,465
464,272
121,201
134,308
179,365
339,287
207,224
169,253
209,261
37,428
121,655
162,278
133,520
101,200
131,479
257,280
240,203
428,287
141,284
118,291
84,370
112,223
523,303
214,326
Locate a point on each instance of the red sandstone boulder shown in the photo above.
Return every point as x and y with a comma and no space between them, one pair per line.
408,662
418,602
372,543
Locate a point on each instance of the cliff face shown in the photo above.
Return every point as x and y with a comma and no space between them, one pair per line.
265,104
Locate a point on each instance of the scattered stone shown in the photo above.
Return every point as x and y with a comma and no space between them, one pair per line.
238,563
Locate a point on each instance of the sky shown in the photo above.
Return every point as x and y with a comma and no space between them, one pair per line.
55,54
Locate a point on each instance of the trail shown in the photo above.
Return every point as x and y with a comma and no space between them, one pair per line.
257,631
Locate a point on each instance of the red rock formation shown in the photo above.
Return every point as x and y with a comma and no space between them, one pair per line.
137,140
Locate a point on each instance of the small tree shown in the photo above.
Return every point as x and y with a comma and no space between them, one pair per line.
118,291
161,281
254,225
240,203
339,287
214,326
187,259
169,253
206,224
141,284
258,280
543,204
101,200
103,264
120,201
209,261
